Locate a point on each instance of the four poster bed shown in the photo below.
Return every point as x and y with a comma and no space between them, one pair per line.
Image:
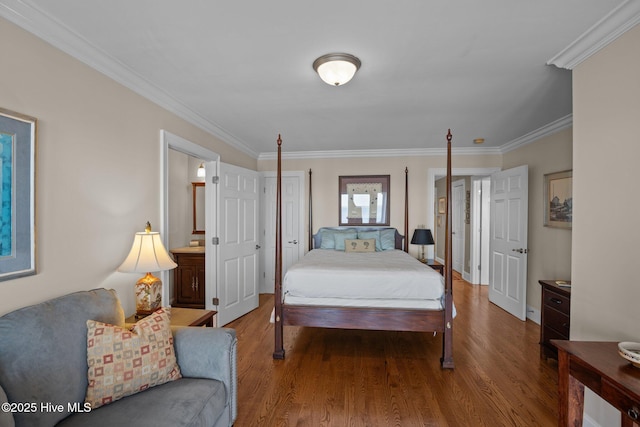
377,289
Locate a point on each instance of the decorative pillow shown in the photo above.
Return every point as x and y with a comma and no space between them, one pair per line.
371,234
341,237
123,362
388,239
360,245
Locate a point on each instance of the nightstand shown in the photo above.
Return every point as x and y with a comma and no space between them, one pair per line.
435,265
185,317
555,319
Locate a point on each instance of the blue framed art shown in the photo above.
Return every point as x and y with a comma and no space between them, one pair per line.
17,195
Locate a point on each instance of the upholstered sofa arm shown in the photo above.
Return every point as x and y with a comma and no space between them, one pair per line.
209,353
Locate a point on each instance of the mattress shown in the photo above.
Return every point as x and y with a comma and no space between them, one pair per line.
353,279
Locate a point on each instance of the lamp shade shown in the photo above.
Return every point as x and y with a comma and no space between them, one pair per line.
422,236
147,254
336,69
201,171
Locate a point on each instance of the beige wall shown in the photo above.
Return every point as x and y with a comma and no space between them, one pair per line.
606,104
605,292
549,248
325,183
98,168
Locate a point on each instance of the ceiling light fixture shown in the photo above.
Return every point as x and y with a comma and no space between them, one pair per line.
336,69
478,141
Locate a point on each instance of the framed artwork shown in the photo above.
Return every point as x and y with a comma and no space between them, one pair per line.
17,190
363,200
558,199
442,205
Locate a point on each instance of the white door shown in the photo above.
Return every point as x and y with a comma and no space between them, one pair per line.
293,242
479,244
457,226
508,241
238,250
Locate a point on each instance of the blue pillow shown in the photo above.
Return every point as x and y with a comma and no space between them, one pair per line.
340,237
372,234
388,239
327,240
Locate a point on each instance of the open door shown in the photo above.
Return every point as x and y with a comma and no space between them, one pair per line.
238,242
508,241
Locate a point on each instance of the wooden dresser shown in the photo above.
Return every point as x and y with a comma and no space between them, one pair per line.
556,310
188,277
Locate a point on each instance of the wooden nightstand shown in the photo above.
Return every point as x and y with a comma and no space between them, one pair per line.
435,265
555,319
185,317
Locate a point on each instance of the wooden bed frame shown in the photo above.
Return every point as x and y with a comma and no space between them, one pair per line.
389,319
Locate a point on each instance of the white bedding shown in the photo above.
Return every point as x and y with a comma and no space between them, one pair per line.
375,279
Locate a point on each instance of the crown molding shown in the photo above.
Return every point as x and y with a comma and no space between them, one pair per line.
549,129
410,152
36,22
603,32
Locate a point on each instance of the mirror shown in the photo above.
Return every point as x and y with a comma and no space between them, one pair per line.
364,200
198,207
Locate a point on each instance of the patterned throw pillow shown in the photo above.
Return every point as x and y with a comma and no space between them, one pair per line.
123,362
360,245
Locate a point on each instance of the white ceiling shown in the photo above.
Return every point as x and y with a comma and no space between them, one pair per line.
242,69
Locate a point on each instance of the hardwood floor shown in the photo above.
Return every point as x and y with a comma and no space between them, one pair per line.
333,377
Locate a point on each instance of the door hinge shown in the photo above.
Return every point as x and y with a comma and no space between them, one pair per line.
215,301
215,240
215,180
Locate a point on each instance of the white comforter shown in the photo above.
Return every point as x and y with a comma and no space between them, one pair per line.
392,278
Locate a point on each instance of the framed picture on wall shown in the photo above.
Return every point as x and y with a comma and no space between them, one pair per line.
17,201
363,200
558,199
442,204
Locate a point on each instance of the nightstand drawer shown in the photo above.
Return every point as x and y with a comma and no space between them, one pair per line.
557,301
556,320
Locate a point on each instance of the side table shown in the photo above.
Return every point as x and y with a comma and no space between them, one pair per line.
435,265
598,366
185,317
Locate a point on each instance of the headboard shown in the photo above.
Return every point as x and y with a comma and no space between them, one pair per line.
318,235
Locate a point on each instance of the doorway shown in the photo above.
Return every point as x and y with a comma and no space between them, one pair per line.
211,160
437,173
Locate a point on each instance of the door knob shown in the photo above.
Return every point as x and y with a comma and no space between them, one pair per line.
520,250
258,247
295,242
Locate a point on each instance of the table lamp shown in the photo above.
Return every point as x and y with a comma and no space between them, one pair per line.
422,236
147,254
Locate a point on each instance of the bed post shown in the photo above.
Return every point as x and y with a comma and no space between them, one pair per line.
447,339
310,215
278,352
406,209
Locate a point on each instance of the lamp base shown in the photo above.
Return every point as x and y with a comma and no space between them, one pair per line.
148,294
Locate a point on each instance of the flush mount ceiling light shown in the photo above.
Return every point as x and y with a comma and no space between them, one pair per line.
478,141
336,69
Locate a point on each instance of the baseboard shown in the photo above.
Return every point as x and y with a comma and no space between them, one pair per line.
534,314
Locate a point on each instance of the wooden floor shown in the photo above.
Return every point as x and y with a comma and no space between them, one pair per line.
373,378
